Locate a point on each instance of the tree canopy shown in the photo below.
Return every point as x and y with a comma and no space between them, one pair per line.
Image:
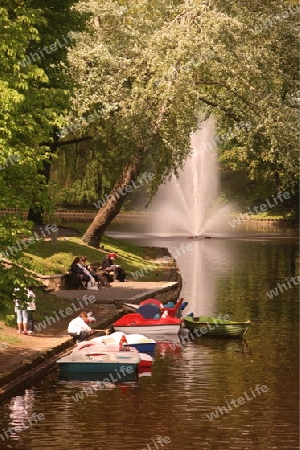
155,71
143,76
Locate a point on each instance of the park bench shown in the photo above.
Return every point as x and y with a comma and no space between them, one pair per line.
105,277
69,282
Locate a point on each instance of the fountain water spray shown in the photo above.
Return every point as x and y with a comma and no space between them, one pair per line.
188,204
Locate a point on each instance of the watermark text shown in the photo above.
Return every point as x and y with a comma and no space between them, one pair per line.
24,425
270,203
41,53
145,178
281,287
259,390
26,242
270,21
61,314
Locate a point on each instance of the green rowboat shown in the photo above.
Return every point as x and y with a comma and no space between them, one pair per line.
214,327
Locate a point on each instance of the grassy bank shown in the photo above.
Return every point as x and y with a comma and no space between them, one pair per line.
47,258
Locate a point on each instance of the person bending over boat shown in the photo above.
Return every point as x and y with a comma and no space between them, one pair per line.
79,328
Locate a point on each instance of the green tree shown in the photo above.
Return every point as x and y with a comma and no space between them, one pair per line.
156,71
34,91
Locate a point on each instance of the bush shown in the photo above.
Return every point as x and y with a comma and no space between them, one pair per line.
10,320
57,263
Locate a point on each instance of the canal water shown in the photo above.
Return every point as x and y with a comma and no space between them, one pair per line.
208,394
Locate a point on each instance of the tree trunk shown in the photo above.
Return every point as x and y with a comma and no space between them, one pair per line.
36,212
113,204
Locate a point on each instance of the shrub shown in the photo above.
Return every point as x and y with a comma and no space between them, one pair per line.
10,320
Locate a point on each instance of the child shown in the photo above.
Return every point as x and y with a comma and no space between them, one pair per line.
30,308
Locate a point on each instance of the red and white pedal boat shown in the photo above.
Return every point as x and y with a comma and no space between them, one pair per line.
148,320
94,348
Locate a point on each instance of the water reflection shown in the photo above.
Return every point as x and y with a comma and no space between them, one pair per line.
21,409
192,380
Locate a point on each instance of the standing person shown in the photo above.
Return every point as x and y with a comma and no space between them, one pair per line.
20,300
30,308
79,328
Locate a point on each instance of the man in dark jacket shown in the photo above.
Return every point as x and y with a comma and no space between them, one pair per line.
108,263
109,266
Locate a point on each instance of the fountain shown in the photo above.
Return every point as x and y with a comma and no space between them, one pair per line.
187,205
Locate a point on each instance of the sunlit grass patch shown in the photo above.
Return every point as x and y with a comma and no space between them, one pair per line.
47,258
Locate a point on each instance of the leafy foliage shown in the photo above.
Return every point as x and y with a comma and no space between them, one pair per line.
34,90
155,71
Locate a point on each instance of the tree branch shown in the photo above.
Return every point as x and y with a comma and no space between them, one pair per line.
252,107
225,110
62,143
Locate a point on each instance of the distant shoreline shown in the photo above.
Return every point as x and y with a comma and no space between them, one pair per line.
88,214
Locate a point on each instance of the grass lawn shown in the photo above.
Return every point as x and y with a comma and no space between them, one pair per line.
7,337
46,258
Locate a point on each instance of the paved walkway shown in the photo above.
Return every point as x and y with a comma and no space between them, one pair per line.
121,292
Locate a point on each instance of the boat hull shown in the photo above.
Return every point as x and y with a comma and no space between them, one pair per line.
136,341
163,329
99,367
144,348
89,372
135,323
211,327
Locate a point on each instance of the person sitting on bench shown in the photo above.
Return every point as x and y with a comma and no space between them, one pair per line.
78,274
90,271
108,264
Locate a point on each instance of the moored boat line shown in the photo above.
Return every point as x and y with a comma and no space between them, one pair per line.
123,349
